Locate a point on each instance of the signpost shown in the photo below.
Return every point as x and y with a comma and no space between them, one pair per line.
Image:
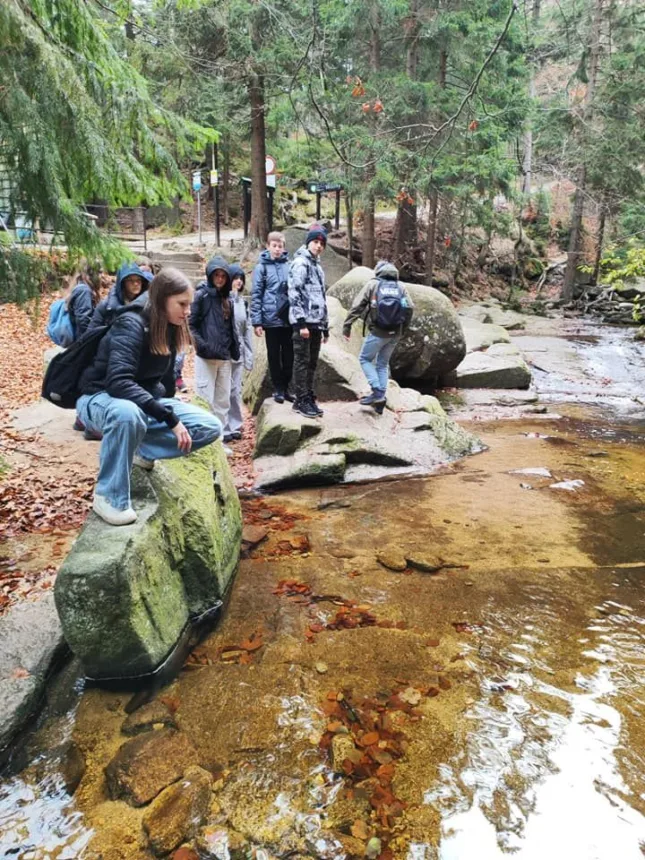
215,187
319,188
197,187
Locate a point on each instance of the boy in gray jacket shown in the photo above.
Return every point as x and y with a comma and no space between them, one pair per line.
308,318
386,308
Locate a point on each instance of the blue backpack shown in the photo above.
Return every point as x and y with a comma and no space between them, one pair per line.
60,327
388,305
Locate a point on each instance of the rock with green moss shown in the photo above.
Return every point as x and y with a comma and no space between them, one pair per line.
279,429
433,345
125,594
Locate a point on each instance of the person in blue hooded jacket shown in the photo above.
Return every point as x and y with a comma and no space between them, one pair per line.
130,283
270,313
212,326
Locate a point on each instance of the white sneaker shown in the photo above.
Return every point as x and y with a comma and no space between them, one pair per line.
142,463
111,515
228,451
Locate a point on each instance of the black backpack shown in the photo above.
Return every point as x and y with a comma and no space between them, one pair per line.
62,377
388,305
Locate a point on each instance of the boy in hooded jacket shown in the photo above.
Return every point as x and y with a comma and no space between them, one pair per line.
212,326
235,420
269,313
381,342
308,318
130,283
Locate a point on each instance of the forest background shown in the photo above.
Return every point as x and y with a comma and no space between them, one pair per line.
468,119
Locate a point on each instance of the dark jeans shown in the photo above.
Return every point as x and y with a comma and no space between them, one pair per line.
305,356
280,356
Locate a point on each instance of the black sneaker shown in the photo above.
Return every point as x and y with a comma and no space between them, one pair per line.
278,396
289,397
305,407
228,437
314,403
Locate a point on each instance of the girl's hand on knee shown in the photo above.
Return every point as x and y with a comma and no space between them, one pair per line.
184,441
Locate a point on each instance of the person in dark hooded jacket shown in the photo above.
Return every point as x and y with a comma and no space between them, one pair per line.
212,326
130,283
83,298
127,394
270,313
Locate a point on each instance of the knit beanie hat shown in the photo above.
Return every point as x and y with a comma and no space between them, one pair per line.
316,232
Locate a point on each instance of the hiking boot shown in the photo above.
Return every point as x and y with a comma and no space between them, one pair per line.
376,396
278,396
142,463
314,403
111,515
78,425
306,407
379,408
236,435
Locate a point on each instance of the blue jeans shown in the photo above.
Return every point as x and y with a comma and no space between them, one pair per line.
128,430
375,359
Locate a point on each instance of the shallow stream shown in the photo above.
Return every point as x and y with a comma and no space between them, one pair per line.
506,690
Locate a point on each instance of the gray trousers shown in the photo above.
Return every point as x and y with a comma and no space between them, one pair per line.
234,419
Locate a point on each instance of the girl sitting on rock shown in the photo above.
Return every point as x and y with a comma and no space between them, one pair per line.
128,393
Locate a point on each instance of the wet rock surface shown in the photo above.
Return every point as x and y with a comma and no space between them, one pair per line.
147,764
176,814
494,368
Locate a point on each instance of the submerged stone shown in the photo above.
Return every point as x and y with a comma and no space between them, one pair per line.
178,812
147,764
392,559
153,715
124,595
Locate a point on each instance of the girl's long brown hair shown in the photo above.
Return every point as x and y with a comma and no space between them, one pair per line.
169,282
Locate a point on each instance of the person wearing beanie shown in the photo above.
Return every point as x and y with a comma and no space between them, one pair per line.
214,334
308,318
270,313
242,322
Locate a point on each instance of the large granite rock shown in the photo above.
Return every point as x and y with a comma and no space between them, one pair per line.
500,366
31,640
414,436
338,377
491,313
433,345
124,595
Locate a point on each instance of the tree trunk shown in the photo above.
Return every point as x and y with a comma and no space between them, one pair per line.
599,243
259,226
226,177
349,215
413,28
433,206
369,220
528,137
573,253
405,235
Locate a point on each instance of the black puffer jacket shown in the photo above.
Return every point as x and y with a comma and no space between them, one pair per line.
105,311
215,336
125,367
269,294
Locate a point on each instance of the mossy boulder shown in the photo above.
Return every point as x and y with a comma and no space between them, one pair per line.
124,595
433,345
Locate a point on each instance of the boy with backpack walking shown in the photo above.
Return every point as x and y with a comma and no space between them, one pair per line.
386,308
308,318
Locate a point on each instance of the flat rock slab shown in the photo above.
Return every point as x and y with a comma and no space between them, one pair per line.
480,335
146,765
493,314
31,641
486,370
355,443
